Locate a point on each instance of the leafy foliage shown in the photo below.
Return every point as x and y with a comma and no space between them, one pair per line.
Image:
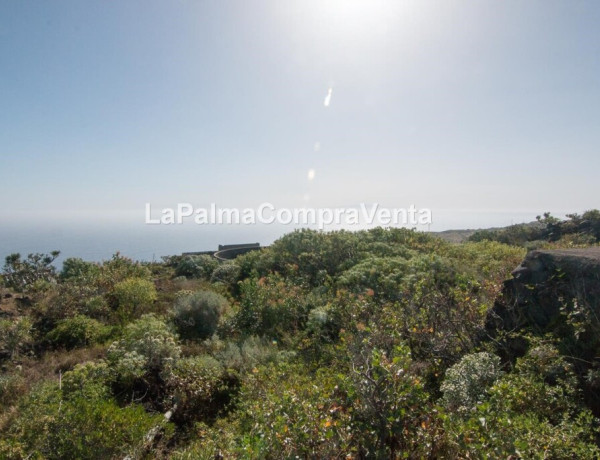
199,266
534,412
226,273
15,336
325,345
76,268
76,427
89,379
132,295
269,306
467,382
390,406
30,273
11,387
576,230
78,331
202,388
197,314
147,347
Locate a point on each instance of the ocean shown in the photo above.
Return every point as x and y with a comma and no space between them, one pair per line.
99,239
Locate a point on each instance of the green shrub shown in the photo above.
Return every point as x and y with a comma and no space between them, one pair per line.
467,382
90,379
535,411
133,295
202,388
118,269
81,427
200,266
252,352
68,298
15,336
254,263
375,408
286,412
12,387
128,366
576,229
226,273
309,256
515,235
78,331
196,316
79,269
390,409
271,307
148,346
383,276
96,307
324,324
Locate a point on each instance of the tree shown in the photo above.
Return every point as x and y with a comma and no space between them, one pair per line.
23,274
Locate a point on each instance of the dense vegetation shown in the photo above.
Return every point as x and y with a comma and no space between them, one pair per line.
324,345
548,232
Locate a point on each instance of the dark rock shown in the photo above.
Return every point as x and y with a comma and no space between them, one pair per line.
545,286
557,294
24,301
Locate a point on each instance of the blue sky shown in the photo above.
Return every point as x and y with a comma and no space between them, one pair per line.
451,105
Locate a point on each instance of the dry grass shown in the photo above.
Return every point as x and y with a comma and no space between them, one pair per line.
52,364
30,372
10,303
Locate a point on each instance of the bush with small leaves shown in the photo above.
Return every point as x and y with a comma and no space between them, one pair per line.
199,266
271,307
129,367
467,382
52,427
253,351
78,331
147,346
536,411
15,336
286,412
382,275
96,307
226,273
389,405
202,388
89,379
197,315
133,295
76,268
322,327
118,269
12,387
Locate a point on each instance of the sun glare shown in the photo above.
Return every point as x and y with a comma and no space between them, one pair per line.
359,18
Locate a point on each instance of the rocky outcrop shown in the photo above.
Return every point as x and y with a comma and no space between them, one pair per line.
547,289
554,295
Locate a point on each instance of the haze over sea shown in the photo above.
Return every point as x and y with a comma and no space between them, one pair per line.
97,239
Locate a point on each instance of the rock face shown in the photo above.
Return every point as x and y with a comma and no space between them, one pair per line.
546,287
556,295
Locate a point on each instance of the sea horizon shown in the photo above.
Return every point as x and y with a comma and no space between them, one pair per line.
97,240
